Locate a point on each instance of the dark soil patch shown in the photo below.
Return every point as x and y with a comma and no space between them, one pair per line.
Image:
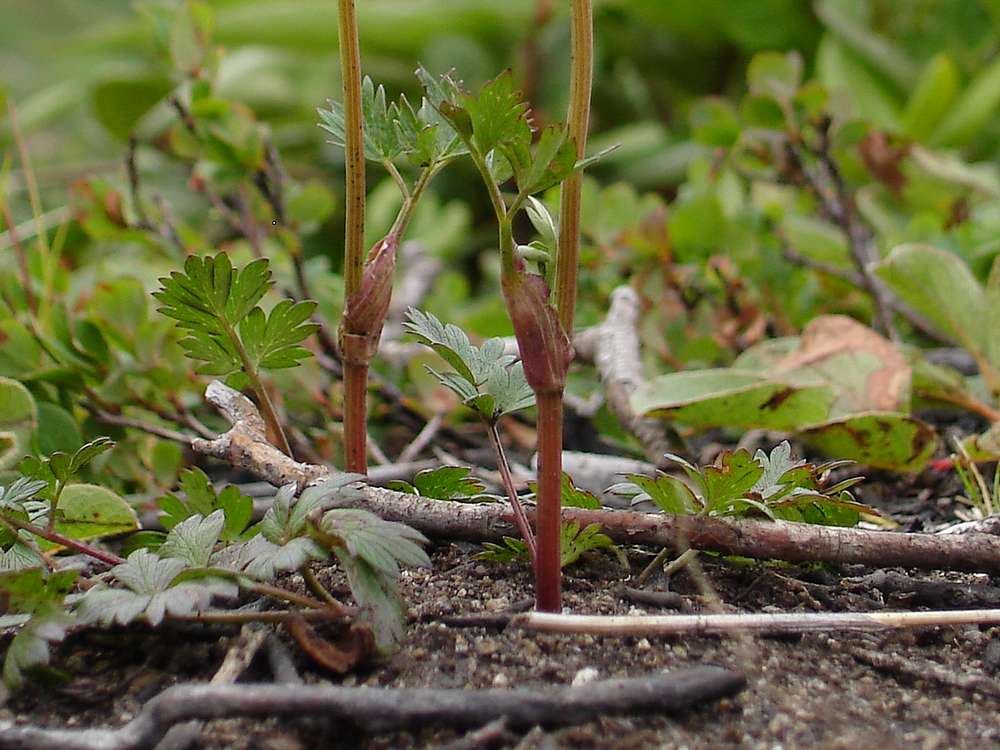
804,692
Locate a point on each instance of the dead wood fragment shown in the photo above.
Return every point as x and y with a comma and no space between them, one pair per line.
245,445
486,736
385,709
921,592
616,354
664,599
771,623
922,669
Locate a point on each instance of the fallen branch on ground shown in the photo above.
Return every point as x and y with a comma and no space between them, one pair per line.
246,446
905,666
784,622
384,709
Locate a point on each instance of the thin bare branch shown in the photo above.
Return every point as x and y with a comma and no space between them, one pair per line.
771,623
386,709
245,446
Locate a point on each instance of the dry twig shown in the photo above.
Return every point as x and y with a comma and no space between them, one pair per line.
246,446
614,347
784,622
384,710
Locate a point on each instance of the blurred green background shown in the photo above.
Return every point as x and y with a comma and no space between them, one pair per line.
654,59
86,75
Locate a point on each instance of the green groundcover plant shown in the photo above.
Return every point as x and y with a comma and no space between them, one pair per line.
799,247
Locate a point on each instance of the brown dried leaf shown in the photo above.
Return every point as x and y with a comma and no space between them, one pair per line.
354,647
868,372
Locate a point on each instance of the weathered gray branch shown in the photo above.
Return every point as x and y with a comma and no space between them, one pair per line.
614,347
245,445
384,710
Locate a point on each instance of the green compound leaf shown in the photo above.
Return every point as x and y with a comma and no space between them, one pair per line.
385,545
574,541
217,305
669,493
571,495
13,496
273,340
200,499
30,591
194,539
443,483
287,517
371,552
487,380
150,593
394,129
262,560
773,485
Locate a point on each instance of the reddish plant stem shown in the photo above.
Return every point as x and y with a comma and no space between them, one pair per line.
355,416
64,541
350,71
578,123
520,518
548,562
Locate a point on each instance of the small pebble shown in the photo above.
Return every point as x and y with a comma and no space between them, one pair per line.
498,604
501,681
585,675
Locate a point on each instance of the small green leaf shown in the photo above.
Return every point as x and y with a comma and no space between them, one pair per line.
262,560
121,103
880,439
15,494
775,74
444,483
732,398
57,430
194,539
669,493
18,416
382,544
31,591
940,286
714,123
150,592
575,541
972,110
87,453
87,511
731,477
571,495
932,96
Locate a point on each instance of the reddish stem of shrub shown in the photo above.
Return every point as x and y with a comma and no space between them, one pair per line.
548,562
355,418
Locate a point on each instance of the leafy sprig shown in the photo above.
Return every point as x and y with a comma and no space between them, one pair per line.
738,484
229,332
41,596
444,483
487,379
217,305
395,129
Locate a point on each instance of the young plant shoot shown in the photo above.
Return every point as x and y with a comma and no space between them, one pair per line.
369,128
494,127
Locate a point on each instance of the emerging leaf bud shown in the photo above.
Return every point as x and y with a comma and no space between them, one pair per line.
365,311
545,348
